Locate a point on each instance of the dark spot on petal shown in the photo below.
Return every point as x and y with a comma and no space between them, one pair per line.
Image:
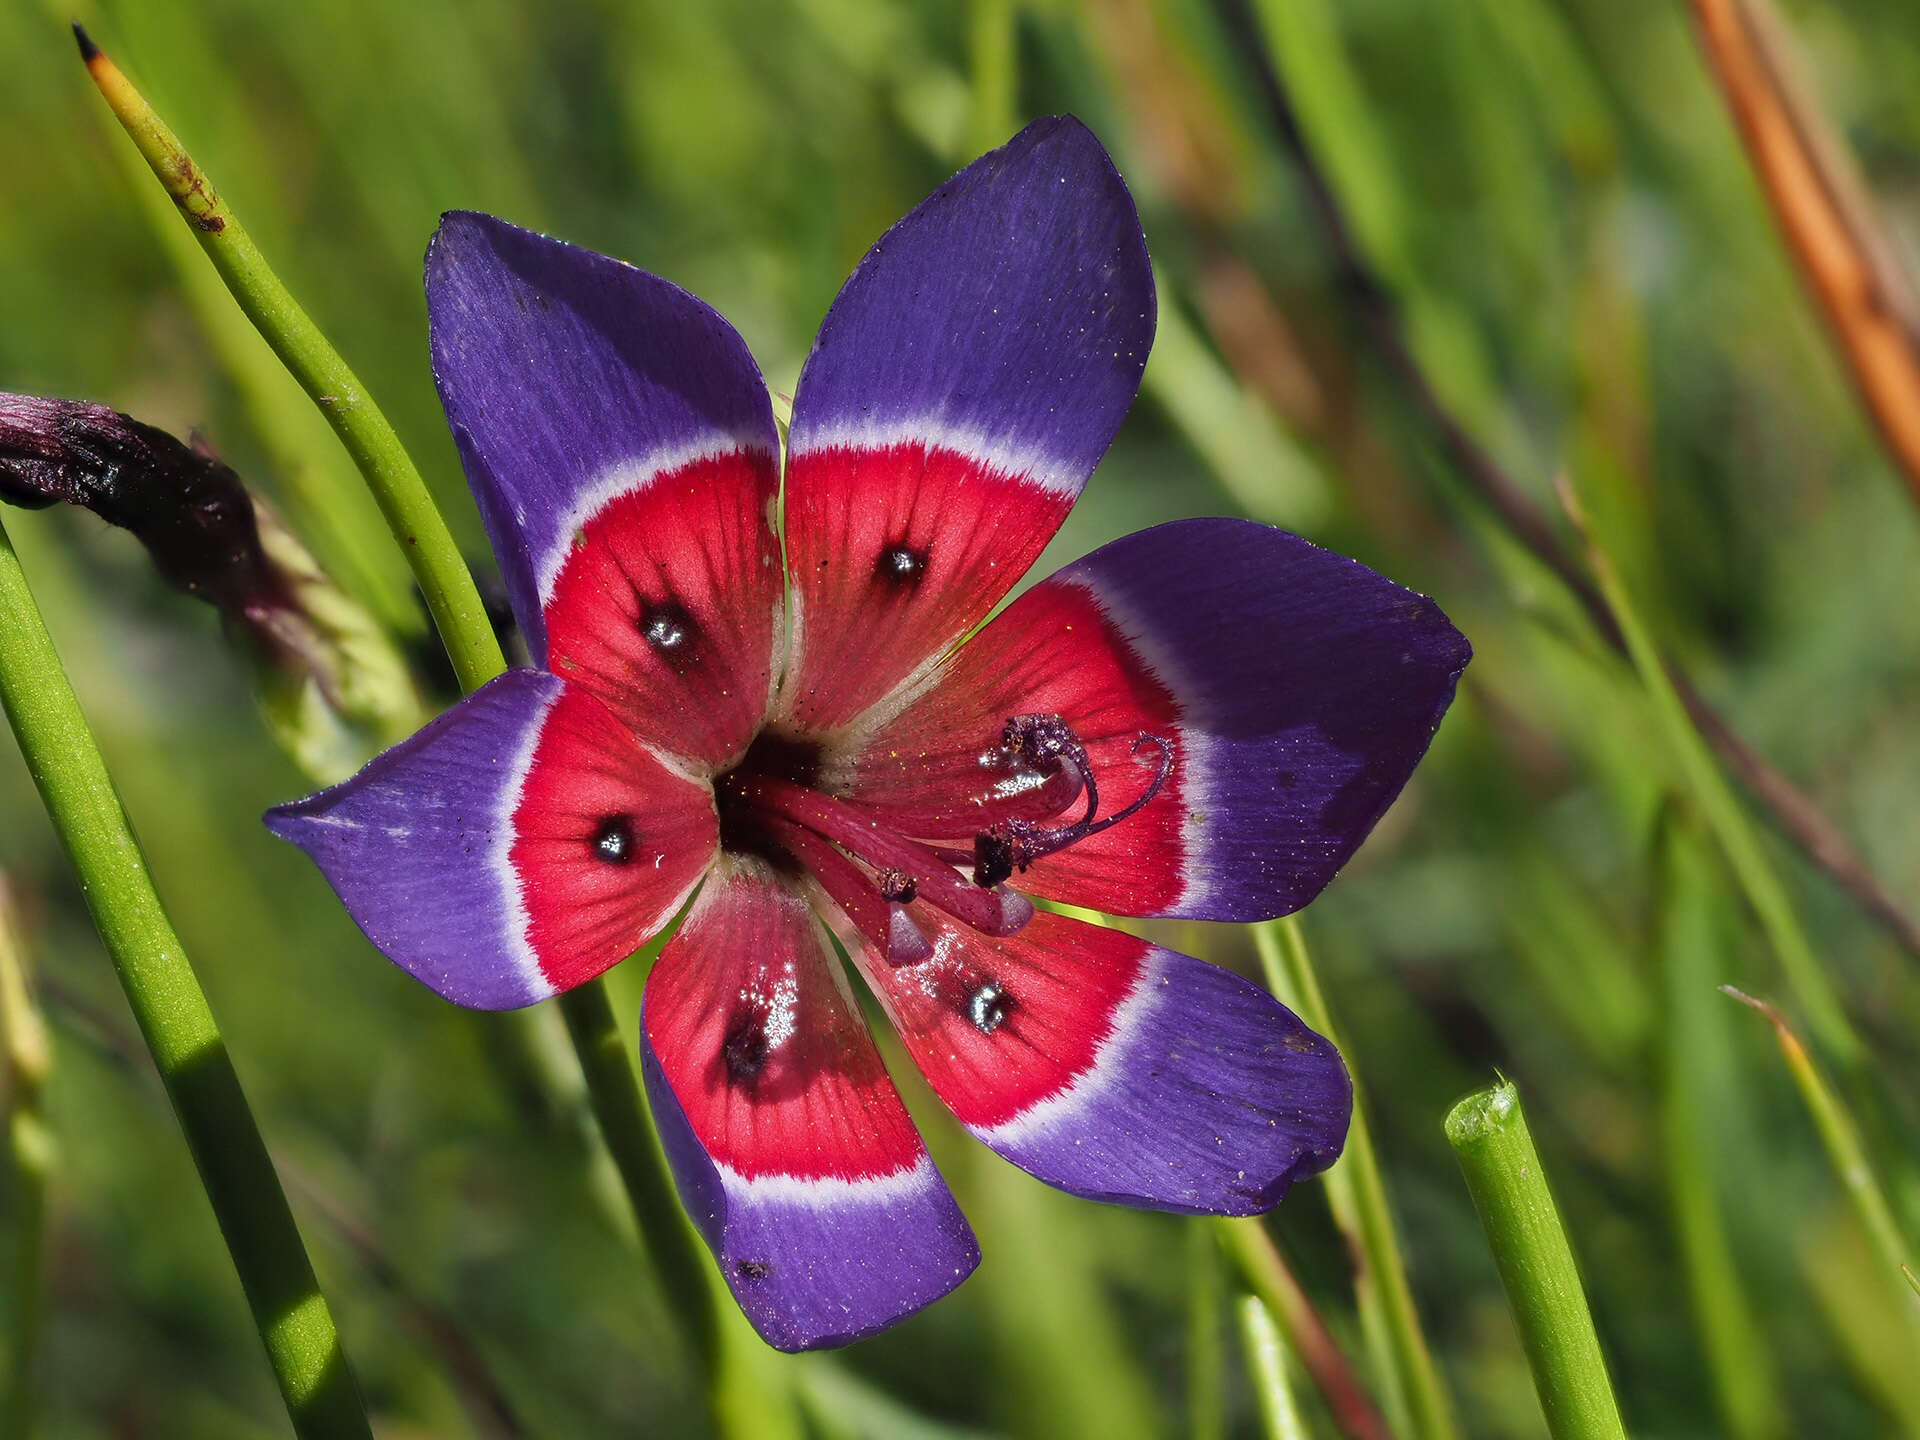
745,1048
668,629
613,840
753,1269
988,1006
898,886
901,566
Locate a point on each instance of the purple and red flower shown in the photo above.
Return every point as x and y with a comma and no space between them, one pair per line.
771,699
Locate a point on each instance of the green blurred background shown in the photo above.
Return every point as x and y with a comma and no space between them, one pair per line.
1554,191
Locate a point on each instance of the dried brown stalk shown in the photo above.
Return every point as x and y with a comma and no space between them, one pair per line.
1820,204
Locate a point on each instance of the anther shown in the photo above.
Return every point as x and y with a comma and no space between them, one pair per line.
1010,845
880,918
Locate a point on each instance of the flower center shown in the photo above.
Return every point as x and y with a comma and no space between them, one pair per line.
771,805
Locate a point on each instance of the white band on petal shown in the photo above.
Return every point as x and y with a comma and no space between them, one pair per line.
828,1191
500,858
1196,777
1046,1119
999,453
624,479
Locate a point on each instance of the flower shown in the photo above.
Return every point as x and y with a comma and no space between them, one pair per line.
1201,720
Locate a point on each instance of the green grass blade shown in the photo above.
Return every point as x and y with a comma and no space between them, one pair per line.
26,1057
1728,821
1263,1272
1206,1361
391,474
1417,1402
1696,1076
1266,1354
1840,1137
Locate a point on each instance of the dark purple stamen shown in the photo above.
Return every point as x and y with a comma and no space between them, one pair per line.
1012,845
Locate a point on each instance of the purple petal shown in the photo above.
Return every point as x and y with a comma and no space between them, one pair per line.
1295,689
969,376
822,1263
1308,688
1209,1097
570,379
789,1145
1012,310
410,845
474,853
1117,1070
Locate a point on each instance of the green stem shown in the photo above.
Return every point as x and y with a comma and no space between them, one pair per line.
26,1056
1416,1398
30,1153
1206,1364
464,629
171,1010
306,460
1267,1368
636,1154
1489,1134
397,487
1723,813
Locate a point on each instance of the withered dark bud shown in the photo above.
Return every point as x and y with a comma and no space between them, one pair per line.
331,686
180,501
